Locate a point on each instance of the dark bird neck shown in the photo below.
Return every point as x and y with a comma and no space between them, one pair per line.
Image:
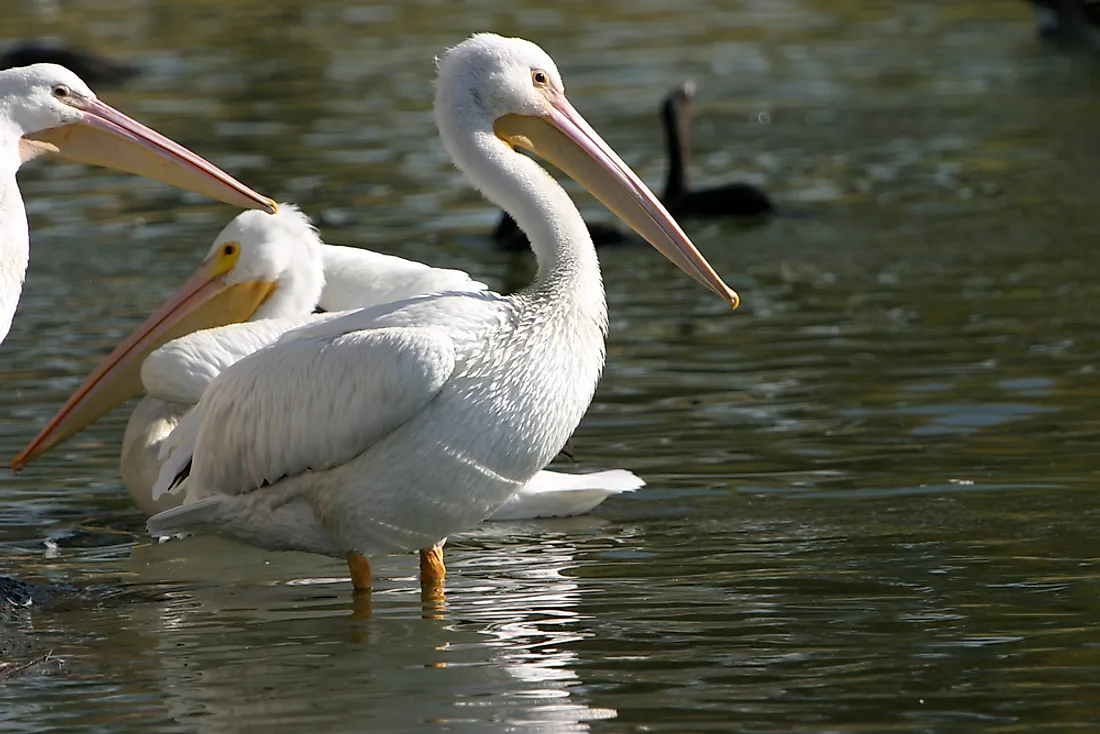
677,140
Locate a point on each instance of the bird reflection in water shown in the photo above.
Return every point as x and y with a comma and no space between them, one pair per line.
496,656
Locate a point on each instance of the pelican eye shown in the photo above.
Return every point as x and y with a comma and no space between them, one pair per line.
540,78
225,258
62,91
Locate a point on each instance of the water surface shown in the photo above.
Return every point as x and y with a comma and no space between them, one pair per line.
871,490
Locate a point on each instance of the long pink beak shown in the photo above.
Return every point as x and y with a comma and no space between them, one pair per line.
202,302
108,138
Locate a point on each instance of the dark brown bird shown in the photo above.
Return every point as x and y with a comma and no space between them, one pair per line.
1069,22
682,201
730,200
509,236
95,70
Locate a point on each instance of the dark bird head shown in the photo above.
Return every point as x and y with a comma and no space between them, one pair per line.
95,70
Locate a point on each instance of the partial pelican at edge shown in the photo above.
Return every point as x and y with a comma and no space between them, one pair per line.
47,109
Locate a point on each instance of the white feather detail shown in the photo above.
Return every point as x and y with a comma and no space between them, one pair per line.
366,383
557,494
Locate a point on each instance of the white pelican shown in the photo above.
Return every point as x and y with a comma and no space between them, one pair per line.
47,108
266,267
387,429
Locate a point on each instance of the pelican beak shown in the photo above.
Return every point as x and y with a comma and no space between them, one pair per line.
203,302
564,138
106,137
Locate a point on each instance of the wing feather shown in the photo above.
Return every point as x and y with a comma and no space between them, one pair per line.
181,370
307,403
356,278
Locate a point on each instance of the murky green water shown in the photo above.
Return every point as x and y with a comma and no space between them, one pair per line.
871,500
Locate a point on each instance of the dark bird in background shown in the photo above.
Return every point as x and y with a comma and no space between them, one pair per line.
1069,22
95,70
509,236
729,200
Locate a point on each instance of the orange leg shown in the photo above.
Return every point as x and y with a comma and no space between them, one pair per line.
360,570
432,573
432,570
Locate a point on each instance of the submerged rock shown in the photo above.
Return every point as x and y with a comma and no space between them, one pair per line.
42,666
20,654
16,593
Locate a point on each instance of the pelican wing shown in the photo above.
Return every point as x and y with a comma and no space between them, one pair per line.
356,278
306,404
181,370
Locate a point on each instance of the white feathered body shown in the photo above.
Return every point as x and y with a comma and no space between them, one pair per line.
356,278
176,375
548,494
152,421
389,429
481,391
14,232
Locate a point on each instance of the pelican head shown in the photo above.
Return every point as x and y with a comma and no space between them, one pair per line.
275,257
50,110
511,88
47,95
260,266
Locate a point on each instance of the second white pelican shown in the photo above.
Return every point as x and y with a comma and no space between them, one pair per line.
46,108
267,270
388,429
